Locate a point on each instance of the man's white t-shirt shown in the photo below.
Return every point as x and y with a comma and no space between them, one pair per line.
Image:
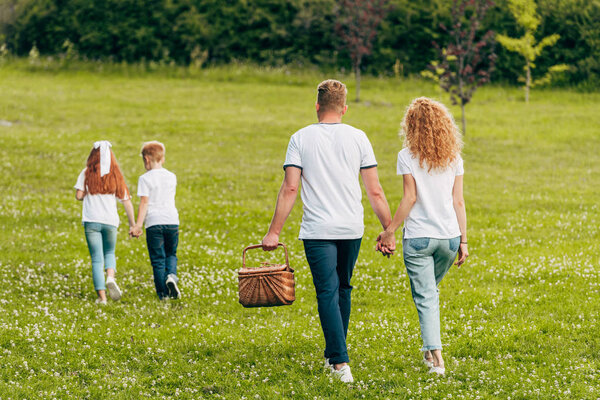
433,213
159,186
331,157
100,208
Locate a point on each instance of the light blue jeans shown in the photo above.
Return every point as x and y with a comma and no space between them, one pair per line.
427,260
101,240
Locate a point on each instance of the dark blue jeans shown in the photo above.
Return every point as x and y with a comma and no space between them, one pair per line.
331,264
162,247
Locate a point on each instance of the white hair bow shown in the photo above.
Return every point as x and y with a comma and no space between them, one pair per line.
104,146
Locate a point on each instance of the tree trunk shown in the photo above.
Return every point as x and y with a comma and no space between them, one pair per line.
357,76
527,81
464,120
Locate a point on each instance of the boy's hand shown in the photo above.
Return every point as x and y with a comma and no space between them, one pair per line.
135,231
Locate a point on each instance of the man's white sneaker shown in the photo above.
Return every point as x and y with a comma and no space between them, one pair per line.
113,289
343,374
327,366
437,370
171,283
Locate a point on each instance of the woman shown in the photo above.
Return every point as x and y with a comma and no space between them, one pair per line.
433,212
99,186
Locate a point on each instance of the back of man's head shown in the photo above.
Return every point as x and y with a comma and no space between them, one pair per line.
331,96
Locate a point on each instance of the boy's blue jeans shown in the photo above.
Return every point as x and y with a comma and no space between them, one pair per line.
331,264
162,243
101,240
427,260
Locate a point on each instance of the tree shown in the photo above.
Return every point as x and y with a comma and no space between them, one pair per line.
357,26
466,62
525,13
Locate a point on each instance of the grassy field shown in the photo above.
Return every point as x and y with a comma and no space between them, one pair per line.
519,319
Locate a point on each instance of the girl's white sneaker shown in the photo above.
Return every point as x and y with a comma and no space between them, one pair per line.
437,370
100,301
428,364
343,374
113,289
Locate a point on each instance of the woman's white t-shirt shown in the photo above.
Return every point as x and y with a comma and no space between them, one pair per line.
331,157
433,213
100,208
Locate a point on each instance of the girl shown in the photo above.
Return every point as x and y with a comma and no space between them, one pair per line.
99,185
433,212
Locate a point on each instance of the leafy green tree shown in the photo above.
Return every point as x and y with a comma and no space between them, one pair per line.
525,12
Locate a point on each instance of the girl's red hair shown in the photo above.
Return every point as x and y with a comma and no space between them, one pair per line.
111,183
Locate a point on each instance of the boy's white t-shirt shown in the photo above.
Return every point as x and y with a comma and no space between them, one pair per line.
101,208
331,157
433,213
159,186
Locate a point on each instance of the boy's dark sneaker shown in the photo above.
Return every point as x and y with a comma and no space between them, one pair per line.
171,283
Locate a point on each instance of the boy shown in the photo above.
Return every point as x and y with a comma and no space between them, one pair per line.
327,157
156,189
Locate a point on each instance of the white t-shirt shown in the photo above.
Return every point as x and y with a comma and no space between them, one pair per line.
433,213
331,157
159,186
100,208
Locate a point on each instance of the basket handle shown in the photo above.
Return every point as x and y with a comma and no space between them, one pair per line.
259,246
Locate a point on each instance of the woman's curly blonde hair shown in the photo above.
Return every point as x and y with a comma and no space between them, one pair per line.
431,134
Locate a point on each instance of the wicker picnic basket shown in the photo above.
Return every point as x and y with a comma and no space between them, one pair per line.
268,285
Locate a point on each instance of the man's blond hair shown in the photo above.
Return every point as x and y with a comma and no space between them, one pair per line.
331,96
155,151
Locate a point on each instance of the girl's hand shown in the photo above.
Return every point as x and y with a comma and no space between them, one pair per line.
463,253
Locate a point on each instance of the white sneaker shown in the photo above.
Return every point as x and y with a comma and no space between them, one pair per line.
327,366
174,292
343,374
113,289
428,364
437,370
100,301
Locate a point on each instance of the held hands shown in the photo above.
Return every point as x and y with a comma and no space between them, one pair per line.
463,253
386,243
270,242
135,231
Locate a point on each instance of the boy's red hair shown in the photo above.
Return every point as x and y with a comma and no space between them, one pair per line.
111,183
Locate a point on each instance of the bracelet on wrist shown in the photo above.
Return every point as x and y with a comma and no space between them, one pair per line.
463,242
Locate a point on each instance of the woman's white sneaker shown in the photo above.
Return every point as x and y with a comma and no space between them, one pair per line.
100,301
343,374
113,289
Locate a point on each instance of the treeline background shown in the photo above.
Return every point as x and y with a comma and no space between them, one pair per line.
284,32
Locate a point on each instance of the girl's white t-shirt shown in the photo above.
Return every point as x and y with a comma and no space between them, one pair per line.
433,214
100,208
330,157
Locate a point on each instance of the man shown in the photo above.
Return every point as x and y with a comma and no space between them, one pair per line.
327,158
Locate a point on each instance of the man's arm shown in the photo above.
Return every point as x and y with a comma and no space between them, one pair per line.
285,202
376,195
387,238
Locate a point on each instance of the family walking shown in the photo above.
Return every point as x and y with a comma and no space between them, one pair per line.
325,159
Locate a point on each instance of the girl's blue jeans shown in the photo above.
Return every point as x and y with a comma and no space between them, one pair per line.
427,260
101,240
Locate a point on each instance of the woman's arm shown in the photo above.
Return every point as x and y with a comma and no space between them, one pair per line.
387,238
79,194
461,215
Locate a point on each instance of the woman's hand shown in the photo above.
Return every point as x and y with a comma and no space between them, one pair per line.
386,243
463,253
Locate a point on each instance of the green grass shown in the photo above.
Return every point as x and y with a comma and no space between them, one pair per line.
519,320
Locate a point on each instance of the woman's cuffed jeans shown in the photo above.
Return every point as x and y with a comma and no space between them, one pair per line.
331,264
427,260
101,240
